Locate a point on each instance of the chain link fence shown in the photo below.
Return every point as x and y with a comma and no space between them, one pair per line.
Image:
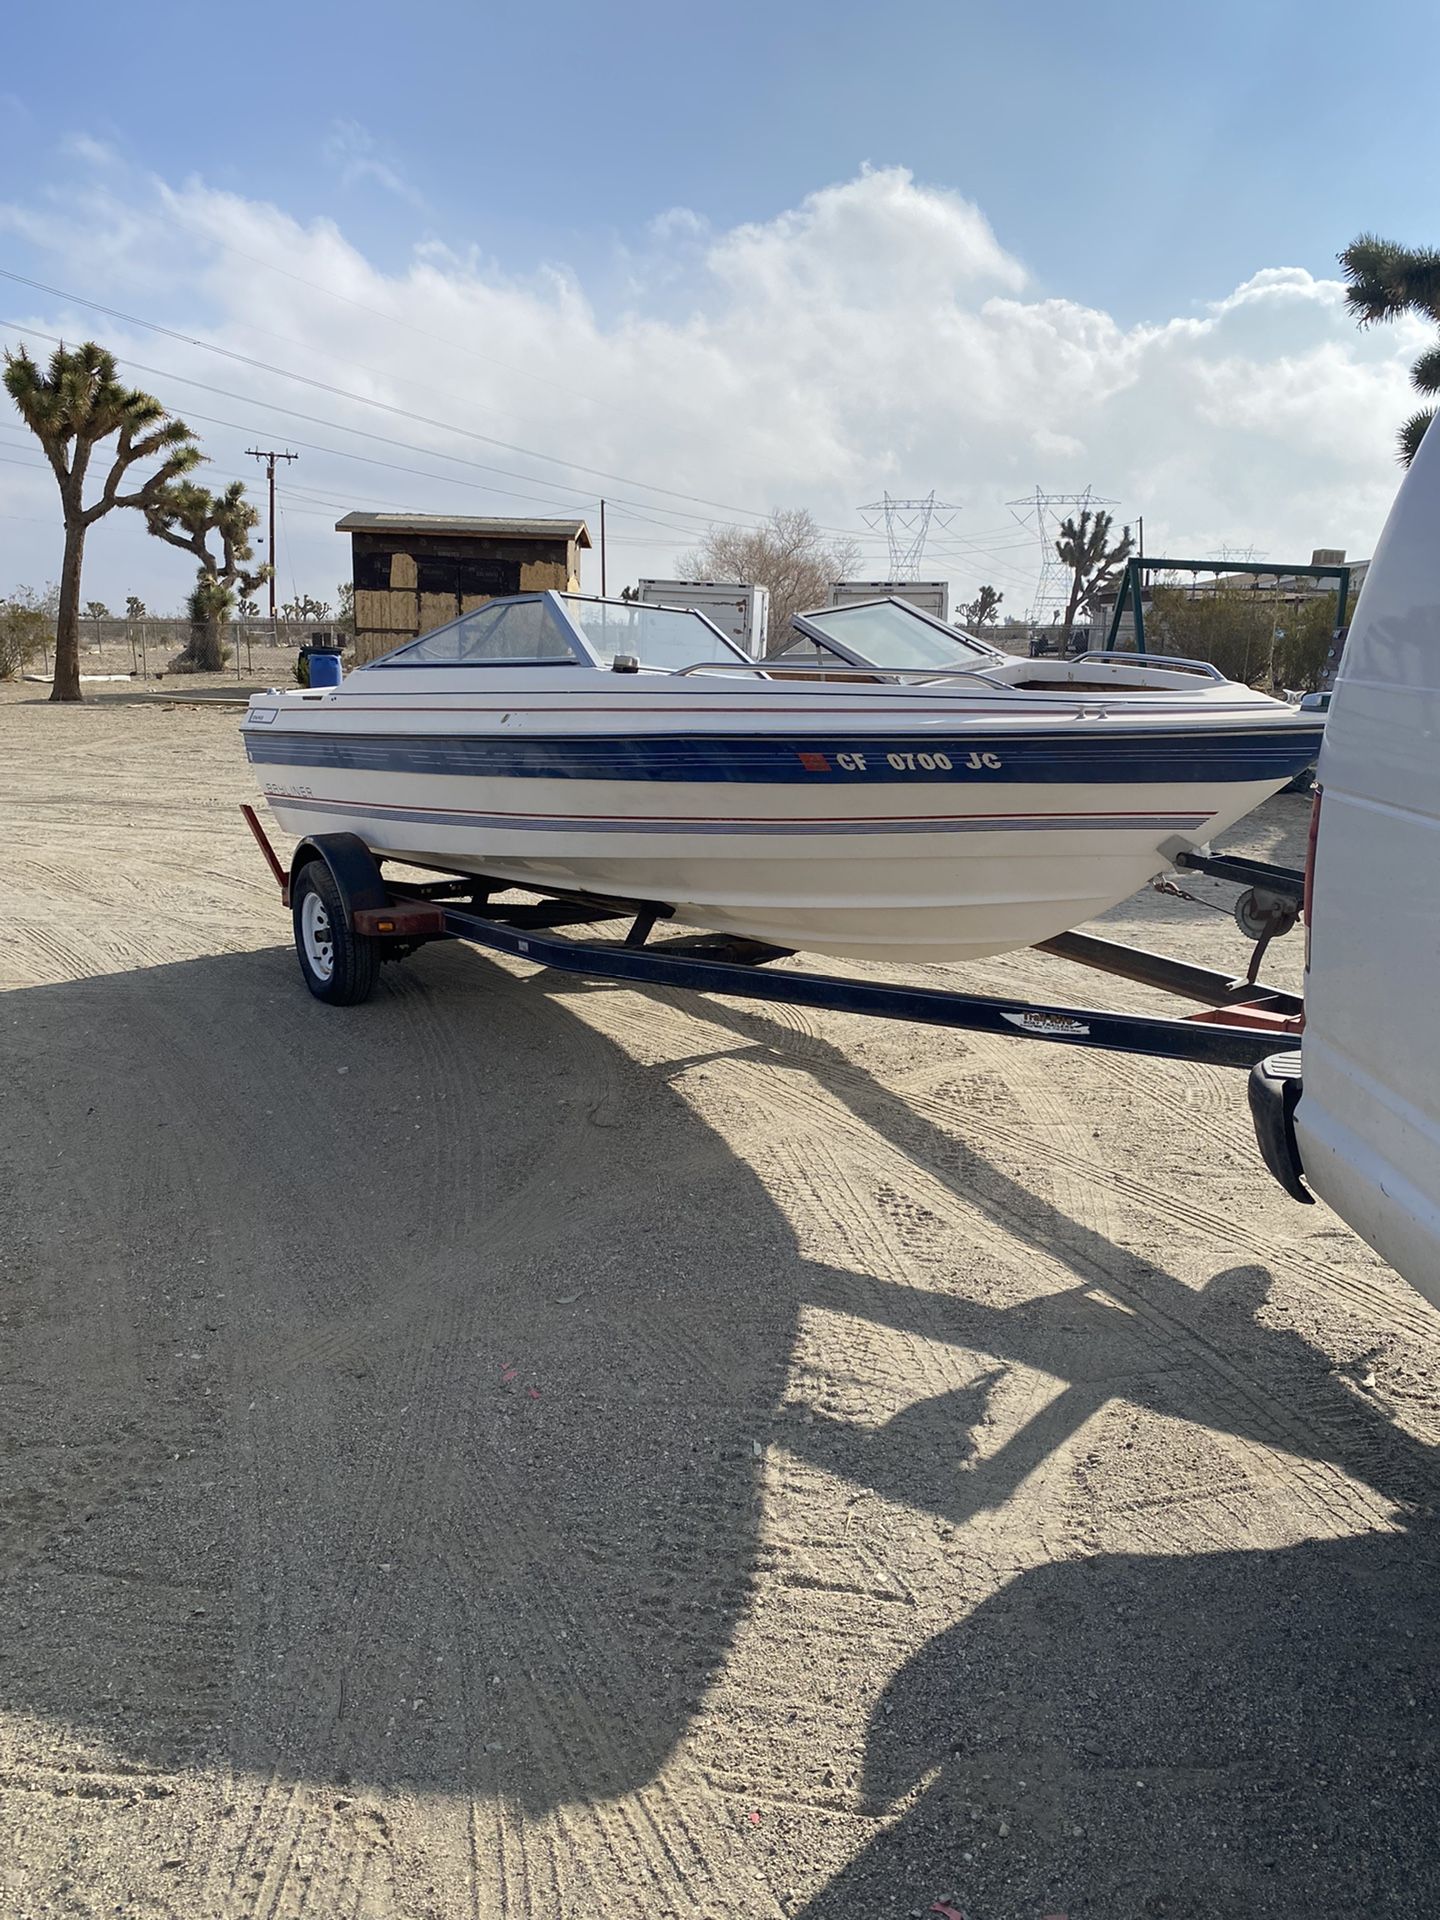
148,649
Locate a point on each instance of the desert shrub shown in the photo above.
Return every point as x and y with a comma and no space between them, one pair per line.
1231,628
1303,641
25,628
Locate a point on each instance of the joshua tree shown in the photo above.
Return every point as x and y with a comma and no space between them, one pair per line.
1385,280
70,406
982,610
185,515
304,608
135,608
1084,546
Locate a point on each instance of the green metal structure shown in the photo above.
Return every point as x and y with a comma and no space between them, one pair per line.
1132,586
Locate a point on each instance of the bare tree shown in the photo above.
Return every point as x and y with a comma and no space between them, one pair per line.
70,406
788,554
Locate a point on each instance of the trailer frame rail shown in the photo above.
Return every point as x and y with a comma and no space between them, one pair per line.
1242,1022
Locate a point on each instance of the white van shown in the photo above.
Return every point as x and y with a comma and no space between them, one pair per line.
1356,1114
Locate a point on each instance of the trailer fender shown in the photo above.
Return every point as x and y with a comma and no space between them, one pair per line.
353,868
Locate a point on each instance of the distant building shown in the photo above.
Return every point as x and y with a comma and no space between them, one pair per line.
1278,588
741,612
1290,586
931,596
415,571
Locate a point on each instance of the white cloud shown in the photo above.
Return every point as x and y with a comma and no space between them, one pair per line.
677,226
356,157
877,335
94,153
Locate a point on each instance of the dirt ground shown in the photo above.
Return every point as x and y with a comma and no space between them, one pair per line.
528,1448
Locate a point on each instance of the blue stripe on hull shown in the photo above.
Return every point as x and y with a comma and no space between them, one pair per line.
1114,758
555,823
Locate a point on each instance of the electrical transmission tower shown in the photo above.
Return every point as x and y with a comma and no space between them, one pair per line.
1247,554
907,528
1052,589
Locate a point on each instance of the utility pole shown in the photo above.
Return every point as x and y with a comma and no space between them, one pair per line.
269,456
602,549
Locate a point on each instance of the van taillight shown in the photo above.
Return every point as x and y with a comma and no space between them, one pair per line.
1307,905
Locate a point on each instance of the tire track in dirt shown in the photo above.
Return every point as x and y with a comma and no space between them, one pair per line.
1335,1506
393,1487
1012,1526
1392,1304
1287,1459
659,1833
1332,1502
390,1487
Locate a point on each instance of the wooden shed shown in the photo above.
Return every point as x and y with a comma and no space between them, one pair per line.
415,571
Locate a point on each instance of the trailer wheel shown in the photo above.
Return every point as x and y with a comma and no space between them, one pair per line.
339,965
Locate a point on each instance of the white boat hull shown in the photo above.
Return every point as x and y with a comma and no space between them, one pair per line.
877,822
973,882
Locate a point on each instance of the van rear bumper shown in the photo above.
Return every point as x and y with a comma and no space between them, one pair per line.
1275,1087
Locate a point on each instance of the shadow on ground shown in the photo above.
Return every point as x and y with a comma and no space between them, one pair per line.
1227,1733
382,1399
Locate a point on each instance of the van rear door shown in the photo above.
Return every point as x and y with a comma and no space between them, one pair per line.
1367,1122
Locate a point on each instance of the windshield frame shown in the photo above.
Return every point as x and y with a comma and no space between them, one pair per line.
582,652
653,606
579,656
808,624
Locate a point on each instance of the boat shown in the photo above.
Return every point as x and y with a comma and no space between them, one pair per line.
886,788
1318,704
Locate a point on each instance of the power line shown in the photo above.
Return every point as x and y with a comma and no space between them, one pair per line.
366,400
337,426
270,406
365,433
394,320
747,515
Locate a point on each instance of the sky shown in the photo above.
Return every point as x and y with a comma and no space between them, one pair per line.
473,259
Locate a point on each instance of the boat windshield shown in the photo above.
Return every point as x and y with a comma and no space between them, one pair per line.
504,633
887,633
664,637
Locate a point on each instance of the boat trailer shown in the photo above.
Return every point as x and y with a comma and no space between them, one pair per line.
349,917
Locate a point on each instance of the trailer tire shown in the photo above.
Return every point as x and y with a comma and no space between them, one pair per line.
338,965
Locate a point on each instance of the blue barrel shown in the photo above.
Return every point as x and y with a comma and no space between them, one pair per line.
324,666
